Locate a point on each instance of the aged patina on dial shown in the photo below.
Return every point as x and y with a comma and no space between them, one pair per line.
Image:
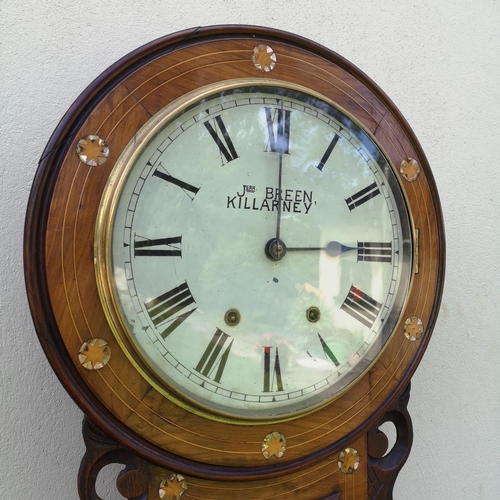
256,246
234,257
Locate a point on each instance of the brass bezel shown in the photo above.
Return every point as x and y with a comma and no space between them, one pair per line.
102,246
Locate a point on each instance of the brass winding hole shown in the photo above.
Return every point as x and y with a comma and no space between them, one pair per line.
313,314
232,317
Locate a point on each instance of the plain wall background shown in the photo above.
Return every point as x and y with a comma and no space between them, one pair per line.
439,61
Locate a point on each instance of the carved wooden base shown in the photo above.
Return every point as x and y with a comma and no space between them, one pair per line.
134,480
383,470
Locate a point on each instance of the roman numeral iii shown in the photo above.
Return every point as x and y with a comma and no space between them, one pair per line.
165,308
374,251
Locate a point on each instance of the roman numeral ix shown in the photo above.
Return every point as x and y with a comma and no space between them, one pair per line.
159,247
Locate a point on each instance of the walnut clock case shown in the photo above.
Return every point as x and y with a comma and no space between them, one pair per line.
234,257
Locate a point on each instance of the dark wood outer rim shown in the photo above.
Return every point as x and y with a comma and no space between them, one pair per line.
34,250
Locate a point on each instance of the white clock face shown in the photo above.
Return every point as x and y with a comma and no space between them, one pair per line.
227,318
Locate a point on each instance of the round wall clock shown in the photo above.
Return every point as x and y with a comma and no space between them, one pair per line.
234,258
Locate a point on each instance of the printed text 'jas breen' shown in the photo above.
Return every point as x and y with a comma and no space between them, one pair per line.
296,201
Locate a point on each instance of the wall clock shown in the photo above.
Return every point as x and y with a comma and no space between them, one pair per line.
234,259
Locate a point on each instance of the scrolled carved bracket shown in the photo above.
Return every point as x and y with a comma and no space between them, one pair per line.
101,451
383,467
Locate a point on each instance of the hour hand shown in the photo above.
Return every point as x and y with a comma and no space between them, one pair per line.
333,249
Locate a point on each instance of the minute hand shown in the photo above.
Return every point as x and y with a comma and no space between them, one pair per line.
281,146
333,249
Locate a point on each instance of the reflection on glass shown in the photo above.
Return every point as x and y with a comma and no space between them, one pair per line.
197,213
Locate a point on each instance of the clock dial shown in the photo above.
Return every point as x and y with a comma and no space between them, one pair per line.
259,250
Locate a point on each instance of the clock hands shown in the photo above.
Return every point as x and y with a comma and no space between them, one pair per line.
333,249
275,248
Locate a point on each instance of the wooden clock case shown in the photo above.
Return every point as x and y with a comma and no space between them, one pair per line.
127,420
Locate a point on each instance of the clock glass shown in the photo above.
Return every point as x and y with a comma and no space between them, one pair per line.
253,250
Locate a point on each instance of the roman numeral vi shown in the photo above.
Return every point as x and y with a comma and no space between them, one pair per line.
276,378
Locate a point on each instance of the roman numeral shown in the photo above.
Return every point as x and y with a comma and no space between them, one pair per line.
172,180
328,152
374,252
361,306
279,119
269,382
362,196
224,143
328,352
166,308
146,248
212,357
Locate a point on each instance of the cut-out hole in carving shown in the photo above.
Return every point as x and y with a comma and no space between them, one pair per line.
106,482
389,429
